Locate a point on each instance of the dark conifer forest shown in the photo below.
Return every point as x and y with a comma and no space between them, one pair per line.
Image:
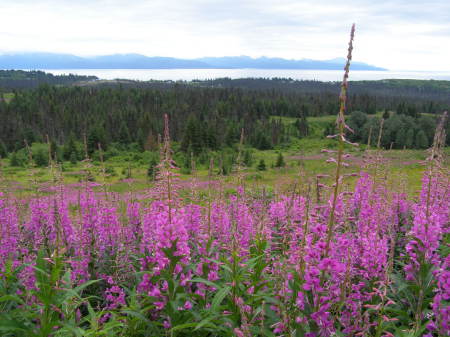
211,114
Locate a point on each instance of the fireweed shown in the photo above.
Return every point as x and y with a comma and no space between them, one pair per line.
185,271
366,261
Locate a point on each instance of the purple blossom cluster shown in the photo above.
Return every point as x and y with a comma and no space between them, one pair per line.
322,287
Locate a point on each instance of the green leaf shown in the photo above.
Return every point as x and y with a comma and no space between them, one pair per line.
221,265
218,298
137,314
206,322
85,285
184,326
202,280
11,325
77,331
14,298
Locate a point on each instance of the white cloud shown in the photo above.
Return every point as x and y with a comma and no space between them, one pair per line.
394,34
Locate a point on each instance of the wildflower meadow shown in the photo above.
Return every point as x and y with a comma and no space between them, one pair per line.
348,254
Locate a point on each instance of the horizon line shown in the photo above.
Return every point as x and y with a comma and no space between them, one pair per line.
178,57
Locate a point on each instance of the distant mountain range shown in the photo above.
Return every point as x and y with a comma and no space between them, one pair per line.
137,61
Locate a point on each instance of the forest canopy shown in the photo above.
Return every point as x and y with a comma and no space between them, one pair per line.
211,114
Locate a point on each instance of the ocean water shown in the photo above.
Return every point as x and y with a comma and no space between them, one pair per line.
203,74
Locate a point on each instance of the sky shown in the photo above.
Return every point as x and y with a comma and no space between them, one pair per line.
395,34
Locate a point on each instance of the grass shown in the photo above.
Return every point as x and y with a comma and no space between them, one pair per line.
8,96
301,155
303,161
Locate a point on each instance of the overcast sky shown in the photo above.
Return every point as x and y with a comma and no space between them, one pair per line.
396,34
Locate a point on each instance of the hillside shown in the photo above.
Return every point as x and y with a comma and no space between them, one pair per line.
20,79
137,61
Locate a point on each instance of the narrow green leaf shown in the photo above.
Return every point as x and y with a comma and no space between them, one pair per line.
206,322
137,315
209,283
218,298
14,298
184,326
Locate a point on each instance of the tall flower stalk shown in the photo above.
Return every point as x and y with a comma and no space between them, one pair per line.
435,158
166,175
340,122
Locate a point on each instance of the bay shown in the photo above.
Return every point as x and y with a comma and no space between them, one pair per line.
204,74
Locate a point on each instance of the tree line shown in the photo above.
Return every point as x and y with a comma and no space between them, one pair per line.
201,117
22,79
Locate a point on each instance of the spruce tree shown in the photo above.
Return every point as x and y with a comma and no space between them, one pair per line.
280,161
140,138
3,150
401,109
73,158
303,128
14,160
412,111
194,137
230,135
124,134
262,141
248,160
96,135
330,129
152,169
186,168
70,149
211,138
261,166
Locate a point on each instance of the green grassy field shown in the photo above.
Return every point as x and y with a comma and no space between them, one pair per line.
8,96
303,158
303,162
